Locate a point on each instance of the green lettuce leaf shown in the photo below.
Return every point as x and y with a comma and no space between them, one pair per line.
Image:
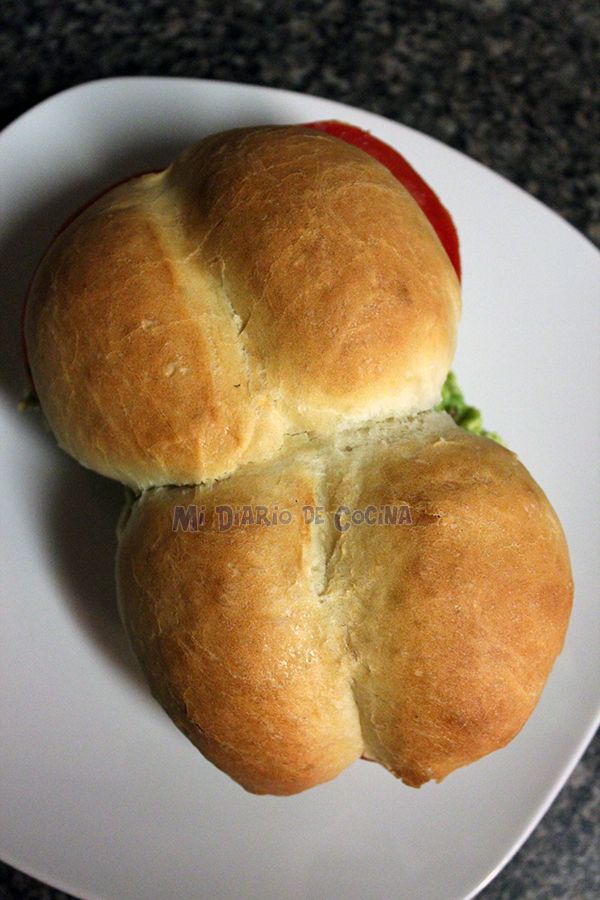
468,417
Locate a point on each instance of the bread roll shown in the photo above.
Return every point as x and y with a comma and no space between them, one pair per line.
267,320
272,280
286,651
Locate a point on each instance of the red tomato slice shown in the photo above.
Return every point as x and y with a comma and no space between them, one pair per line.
435,211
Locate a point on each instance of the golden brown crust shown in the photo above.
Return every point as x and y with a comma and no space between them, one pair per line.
340,282
272,280
232,642
460,635
284,653
136,363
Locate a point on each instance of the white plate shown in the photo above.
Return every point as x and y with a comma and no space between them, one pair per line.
100,794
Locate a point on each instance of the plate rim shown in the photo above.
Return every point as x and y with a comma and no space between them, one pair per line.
85,85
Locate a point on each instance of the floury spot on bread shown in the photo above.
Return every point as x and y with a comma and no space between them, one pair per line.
269,322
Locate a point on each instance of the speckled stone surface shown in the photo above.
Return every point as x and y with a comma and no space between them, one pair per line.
512,83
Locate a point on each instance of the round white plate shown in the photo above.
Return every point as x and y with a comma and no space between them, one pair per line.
100,794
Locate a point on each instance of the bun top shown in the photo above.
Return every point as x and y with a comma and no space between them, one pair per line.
272,280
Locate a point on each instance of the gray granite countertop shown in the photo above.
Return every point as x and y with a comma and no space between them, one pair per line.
512,83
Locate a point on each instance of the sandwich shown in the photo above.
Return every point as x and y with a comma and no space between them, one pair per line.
323,556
